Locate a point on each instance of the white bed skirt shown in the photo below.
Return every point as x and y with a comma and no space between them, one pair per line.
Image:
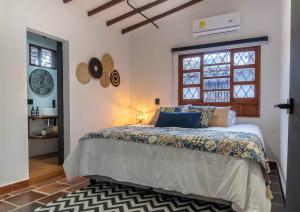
210,175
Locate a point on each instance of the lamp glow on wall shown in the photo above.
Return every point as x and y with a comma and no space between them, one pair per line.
140,117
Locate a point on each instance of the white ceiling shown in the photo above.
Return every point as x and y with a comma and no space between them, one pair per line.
122,8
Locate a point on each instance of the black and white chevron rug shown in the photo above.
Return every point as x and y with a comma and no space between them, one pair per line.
112,197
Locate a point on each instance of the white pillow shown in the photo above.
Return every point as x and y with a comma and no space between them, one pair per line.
185,108
231,118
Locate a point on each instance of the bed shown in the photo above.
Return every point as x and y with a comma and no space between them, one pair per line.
205,174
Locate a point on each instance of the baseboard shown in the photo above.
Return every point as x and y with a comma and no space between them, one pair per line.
14,187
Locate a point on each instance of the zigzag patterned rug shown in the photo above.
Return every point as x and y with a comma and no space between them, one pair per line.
112,197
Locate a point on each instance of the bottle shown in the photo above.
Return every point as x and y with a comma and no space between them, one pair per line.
32,112
37,112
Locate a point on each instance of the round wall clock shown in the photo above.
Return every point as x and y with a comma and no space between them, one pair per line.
41,82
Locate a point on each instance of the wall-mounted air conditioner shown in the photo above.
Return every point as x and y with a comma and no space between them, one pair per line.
227,23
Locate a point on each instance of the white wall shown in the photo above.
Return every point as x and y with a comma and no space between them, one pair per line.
91,107
285,84
151,59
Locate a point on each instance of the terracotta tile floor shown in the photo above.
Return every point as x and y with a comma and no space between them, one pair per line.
277,201
29,207
25,198
36,195
5,206
53,188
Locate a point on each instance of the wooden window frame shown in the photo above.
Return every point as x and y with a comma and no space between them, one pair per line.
244,107
40,56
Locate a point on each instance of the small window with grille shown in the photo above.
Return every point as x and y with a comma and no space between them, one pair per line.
42,57
222,78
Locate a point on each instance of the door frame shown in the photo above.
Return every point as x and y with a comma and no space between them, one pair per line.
60,101
63,97
293,171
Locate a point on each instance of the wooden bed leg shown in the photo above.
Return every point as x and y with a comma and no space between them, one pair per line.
93,182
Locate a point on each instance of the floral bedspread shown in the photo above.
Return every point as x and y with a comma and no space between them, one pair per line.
237,144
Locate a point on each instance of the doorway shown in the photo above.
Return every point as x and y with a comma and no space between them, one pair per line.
45,107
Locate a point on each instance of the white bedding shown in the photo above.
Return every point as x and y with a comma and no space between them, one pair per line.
211,175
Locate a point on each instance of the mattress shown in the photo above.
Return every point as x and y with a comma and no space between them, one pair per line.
235,180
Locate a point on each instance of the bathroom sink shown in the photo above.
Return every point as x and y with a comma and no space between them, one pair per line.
48,112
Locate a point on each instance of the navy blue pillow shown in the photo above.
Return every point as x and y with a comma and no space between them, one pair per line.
184,120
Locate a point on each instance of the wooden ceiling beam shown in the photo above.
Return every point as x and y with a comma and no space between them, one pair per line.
155,18
104,7
134,12
67,1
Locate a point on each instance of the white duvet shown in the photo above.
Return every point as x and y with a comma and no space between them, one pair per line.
211,175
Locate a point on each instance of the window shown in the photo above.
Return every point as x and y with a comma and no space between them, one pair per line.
42,57
222,78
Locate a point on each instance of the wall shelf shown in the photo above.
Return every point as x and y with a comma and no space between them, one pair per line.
42,117
38,136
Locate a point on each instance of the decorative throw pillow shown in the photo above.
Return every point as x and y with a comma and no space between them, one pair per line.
220,117
206,114
154,117
184,120
184,108
171,109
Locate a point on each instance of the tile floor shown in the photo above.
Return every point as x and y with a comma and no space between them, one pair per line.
36,195
26,200
278,200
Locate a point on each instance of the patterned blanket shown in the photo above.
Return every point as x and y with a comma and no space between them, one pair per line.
237,144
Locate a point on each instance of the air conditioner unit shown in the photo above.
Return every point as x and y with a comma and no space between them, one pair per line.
227,23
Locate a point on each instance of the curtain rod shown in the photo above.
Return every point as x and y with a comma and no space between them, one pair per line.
219,44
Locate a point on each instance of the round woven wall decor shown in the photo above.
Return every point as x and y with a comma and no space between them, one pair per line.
41,82
95,68
82,73
105,80
108,63
115,78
